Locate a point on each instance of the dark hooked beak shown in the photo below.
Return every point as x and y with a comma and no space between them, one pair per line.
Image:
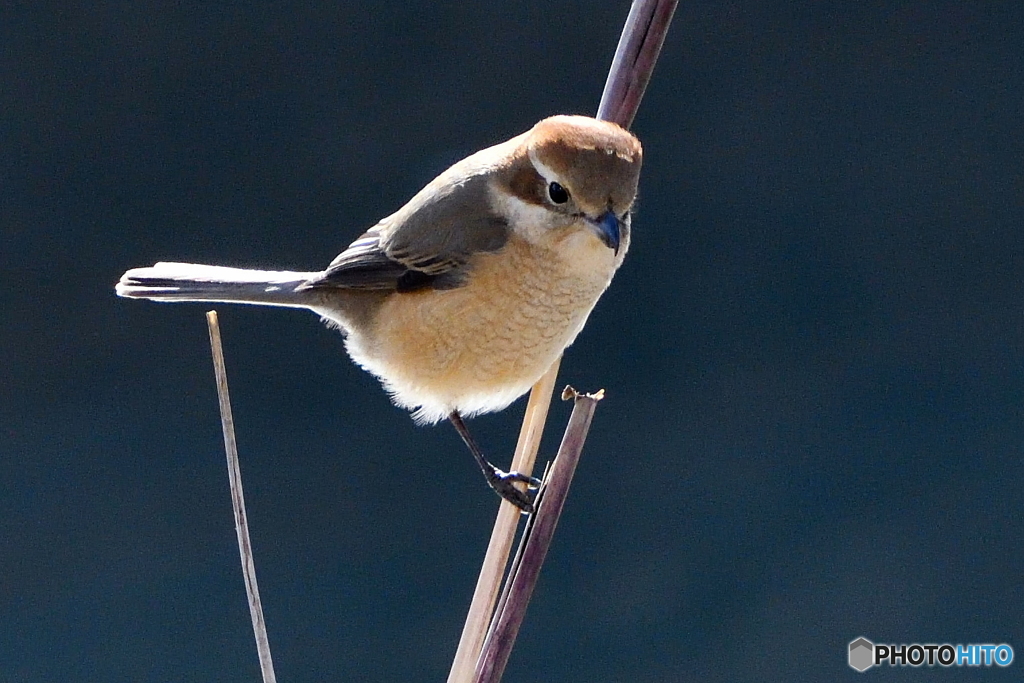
607,228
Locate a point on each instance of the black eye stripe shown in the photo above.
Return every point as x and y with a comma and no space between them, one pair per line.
557,193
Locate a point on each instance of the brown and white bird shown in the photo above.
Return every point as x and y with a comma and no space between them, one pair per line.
460,300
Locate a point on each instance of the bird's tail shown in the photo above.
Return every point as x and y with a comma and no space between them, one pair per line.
193,282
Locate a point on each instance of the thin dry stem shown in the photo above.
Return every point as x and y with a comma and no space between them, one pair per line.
635,57
238,502
638,50
536,541
503,534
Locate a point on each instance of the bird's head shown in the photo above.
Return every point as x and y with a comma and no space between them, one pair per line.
571,176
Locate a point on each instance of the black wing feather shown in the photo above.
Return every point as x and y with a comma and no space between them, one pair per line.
428,242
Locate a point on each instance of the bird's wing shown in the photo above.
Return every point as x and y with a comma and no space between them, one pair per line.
363,265
427,243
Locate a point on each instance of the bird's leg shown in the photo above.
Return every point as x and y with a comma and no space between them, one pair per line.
502,482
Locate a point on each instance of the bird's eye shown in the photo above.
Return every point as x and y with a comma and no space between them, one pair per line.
558,194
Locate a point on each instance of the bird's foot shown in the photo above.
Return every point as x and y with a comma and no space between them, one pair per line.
504,484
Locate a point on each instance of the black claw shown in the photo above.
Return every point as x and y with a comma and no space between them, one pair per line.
504,484
532,483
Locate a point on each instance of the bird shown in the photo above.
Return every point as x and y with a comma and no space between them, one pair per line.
462,299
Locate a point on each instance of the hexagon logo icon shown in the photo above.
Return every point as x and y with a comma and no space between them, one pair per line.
862,654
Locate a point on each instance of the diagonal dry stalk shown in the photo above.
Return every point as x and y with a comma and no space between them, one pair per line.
259,627
503,533
635,57
537,537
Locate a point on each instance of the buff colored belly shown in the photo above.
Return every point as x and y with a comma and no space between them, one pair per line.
478,347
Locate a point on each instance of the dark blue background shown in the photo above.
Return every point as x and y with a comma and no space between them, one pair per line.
814,354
